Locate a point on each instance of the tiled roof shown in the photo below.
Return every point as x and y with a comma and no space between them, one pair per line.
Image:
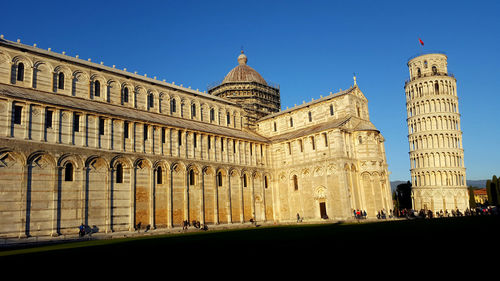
340,93
310,130
131,114
481,191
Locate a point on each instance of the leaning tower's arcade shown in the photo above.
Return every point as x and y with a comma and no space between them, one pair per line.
434,135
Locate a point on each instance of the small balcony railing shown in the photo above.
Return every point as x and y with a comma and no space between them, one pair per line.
429,75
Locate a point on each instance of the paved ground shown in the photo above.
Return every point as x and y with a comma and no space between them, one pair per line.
14,242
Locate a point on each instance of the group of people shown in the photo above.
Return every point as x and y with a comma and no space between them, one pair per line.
84,229
196,224
479,211
381,215
359,214
138,227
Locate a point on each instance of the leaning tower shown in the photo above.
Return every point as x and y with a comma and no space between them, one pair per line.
434,134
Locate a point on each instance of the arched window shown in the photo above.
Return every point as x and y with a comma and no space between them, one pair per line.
159,175
244,180
119,173
434,69
97,88
60,81
68,172
291,122
425,64
418,72
295,183
212,114
360,140
228,118
219,179
191,177
310,116
193,110
20,71
265,182
331,110
125,95
173,105
274,124
436,87
151,101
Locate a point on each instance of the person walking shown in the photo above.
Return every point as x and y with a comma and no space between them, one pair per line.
82,230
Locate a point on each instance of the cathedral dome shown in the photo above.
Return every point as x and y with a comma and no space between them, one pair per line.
243,73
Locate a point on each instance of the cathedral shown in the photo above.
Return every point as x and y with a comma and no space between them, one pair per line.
86,143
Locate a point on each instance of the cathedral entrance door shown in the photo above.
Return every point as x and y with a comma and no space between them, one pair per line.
322,210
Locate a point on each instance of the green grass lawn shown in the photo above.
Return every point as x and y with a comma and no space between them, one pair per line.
264,245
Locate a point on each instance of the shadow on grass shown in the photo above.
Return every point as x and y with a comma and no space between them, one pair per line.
387,239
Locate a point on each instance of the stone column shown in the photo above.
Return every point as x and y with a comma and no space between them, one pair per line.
55,201
122,135
237,153
169,132
200,144
133,135
186,196
145,131
8,121
57,125
170,222
162,139
242,203
252,198
110,132
132,198
152,130
214,145
23,200
83,195
27,121
185,136
228,203
264,196
109,201
152,199
216,194
70,127
202,197
43,111
97,136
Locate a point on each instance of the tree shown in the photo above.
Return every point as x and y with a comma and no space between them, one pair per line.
493,190
403,196
472,201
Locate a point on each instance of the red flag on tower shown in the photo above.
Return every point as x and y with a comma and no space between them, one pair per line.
421,42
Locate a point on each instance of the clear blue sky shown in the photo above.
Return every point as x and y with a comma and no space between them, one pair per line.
309,47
